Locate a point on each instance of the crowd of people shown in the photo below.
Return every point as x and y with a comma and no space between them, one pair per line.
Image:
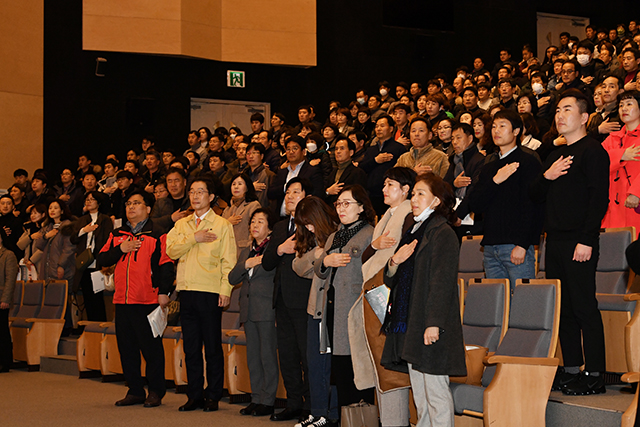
304,218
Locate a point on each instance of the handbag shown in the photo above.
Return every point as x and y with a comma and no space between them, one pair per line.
85,258
360,414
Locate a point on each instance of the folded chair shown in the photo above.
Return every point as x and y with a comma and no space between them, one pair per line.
17,299
616,302
629,416
39,335
486,315
518,378
470,265
88,348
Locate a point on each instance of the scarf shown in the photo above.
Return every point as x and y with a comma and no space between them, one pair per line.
395,322
345,234
237,201
257,250
341,169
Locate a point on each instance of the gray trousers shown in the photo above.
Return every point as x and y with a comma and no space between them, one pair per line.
433,398
262,360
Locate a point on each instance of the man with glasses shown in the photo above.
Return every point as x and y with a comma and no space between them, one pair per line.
204,245
570,75
143,279
298,167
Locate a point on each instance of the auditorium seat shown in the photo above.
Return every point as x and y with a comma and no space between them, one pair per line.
88,348
486,315
470,265
615,301
38,335
518,378
17,299
629,416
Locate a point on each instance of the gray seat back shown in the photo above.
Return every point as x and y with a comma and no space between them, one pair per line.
470,264
17,298
484,314
612,274
531,325
32,296
55,300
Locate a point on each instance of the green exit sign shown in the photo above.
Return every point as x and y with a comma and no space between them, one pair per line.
235,78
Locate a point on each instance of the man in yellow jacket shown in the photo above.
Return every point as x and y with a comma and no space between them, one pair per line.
204,246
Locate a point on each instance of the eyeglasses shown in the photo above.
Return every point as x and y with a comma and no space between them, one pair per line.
568,71
198,192
135,203
160,191
87,201
444,127
344,204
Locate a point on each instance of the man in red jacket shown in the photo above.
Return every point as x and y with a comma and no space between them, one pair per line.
143,279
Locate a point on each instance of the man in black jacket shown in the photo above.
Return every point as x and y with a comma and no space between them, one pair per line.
346,173
575,187
512,223
170,209
290,297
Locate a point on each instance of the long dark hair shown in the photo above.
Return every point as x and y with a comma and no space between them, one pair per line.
314,211
250,195
442,190
65,213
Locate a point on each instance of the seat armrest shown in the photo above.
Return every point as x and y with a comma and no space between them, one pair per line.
177,329
36,320
632,297
631,377
235,333
512,360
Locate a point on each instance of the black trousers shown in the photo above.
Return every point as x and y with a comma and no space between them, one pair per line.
342,377
6,346
134,336
291,331
201,324
580,319
93,302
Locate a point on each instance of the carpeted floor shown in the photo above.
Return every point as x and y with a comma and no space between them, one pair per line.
34,399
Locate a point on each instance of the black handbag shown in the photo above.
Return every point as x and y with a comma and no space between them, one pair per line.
85,258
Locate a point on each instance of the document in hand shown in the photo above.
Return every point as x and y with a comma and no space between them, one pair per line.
158,321
97,279
378,299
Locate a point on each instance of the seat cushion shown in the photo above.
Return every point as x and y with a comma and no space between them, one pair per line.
612,302
465,396
480,335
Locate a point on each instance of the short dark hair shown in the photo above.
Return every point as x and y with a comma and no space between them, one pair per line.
133,162
403,176
212,188
267,213
401,106
217,154
195,154
307,186
280,116
512,116
470,89
361,196
89,172
20,172
542,76
426,121
388,118
269,134
629,94
403,85
179,171
466,128
565,33
257,117
124,174
586,44
112,162
636,52
297,140
257,147
581,99
509,81
148,198
154,153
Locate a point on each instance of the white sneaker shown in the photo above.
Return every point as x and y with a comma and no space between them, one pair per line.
320,422
306,423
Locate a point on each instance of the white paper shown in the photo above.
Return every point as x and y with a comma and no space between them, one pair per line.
97,279
378,299
468,220
158,321
117,223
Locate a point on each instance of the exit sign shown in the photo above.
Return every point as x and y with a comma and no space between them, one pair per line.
235,78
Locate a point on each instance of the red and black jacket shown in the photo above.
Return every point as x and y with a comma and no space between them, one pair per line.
139,275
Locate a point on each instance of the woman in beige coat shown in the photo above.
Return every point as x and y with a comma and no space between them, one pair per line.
243,203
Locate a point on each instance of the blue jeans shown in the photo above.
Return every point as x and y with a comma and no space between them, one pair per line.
324,396
498,265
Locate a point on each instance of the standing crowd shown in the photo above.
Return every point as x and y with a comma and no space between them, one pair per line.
305,217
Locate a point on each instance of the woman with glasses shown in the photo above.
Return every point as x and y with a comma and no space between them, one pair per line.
443,141
341,266
623,148
91,232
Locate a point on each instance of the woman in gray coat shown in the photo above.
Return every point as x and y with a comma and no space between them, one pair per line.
258,316
341,266
423,328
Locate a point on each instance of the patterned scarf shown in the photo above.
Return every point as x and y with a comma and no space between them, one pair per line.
257,250
345,234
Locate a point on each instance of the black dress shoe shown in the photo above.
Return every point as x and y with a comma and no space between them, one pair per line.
287,415
153,400
191,405
130,399
210,405
249,409
262,410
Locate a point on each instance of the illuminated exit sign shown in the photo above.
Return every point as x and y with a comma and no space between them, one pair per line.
235,78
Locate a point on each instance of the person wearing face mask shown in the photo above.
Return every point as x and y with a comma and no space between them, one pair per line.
544,97
361,97
589,67
384,88
317,150
422,324
512,223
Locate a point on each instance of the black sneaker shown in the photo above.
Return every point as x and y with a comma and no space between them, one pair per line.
585,384
562,379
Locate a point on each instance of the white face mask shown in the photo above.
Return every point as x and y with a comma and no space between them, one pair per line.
311,147
461,75
361,101
383,92
537,88
233,136
583,59
425,213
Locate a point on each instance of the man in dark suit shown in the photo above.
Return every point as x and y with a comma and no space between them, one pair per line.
170,209
346,173
298,167
378,159
464,169
290,297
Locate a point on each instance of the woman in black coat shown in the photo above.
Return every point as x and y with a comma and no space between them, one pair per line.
423,328
91,231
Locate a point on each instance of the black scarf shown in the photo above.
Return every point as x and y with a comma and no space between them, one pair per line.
257,250
345,234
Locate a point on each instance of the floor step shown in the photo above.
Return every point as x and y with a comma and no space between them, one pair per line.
63,364
67,346
588,411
